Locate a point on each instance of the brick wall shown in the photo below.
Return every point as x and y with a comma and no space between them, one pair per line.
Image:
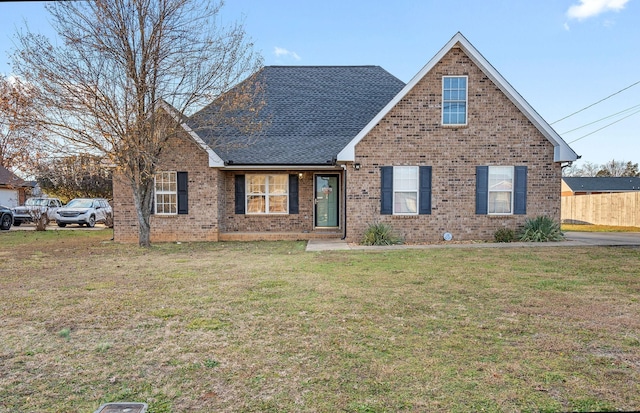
497,133
202,221
301,223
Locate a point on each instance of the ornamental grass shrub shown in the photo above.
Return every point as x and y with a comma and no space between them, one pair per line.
541,229
380,234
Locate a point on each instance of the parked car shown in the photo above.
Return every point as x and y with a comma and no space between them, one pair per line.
46,206
85,211
6,218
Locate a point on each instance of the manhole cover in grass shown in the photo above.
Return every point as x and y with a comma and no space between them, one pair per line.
122,408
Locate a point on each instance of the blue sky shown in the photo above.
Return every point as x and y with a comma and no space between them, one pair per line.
561,55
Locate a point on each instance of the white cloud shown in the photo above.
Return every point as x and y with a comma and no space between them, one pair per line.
591,8
280,52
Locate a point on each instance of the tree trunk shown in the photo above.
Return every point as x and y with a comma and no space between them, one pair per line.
143,197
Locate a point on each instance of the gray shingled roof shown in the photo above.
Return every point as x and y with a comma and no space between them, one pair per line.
603,184
8,178
312,113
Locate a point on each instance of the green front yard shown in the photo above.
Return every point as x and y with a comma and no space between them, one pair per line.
267,327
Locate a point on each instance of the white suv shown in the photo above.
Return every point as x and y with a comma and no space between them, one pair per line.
85,211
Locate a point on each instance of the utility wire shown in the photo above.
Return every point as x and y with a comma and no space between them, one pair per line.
606,126
601,119
593,104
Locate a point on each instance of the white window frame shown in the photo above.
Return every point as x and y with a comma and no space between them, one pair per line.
164,191
416,190
490,191
267,194
466,101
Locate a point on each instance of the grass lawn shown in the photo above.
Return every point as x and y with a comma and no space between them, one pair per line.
267,327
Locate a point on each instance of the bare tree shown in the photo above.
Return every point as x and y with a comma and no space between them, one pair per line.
588,169
21,142
76,176
618,168
104,86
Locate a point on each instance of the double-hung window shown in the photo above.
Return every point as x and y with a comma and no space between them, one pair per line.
405,190
166,193
500,190
454,100
267,194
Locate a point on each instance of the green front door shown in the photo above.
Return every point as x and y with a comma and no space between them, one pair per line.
327,195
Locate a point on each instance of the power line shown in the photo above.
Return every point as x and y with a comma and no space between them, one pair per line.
601,119
600,101
606,126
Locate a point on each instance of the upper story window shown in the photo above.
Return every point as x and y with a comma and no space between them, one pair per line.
267,194
454,100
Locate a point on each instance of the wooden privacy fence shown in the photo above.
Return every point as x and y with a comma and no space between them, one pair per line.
618,209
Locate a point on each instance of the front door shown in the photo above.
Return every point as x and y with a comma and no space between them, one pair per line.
327,195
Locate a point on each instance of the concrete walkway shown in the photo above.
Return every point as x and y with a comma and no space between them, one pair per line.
574,239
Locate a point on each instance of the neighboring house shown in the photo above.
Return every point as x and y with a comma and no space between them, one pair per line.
599,185
12,188
455,150
601,201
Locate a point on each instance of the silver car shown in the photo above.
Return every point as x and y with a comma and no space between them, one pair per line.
47,207
85,211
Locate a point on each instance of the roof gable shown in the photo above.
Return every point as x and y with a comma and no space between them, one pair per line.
214,159
562,151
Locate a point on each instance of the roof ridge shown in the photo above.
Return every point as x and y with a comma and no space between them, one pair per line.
320,66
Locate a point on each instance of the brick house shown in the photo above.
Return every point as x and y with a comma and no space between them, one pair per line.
456,150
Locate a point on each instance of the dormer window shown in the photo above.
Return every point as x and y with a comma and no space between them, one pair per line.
454,100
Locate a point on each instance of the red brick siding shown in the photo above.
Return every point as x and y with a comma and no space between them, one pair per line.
497,133
302,223
202,221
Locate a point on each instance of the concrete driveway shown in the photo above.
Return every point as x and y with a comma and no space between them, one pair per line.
604,238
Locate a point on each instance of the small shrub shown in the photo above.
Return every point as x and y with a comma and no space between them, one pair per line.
541,229
380,234
504,235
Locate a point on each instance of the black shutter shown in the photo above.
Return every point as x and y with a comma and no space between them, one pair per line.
482,189
425,190
386,190
293,194
183,193
520,193
239,194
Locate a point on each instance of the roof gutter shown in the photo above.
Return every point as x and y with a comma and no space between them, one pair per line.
289,167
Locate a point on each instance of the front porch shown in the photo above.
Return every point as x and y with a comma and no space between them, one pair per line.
280,236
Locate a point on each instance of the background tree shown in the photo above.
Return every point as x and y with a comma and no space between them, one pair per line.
21,142
618,168
587,169
612,168
78,176
102,87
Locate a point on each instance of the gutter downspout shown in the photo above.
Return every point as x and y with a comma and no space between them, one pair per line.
344,189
